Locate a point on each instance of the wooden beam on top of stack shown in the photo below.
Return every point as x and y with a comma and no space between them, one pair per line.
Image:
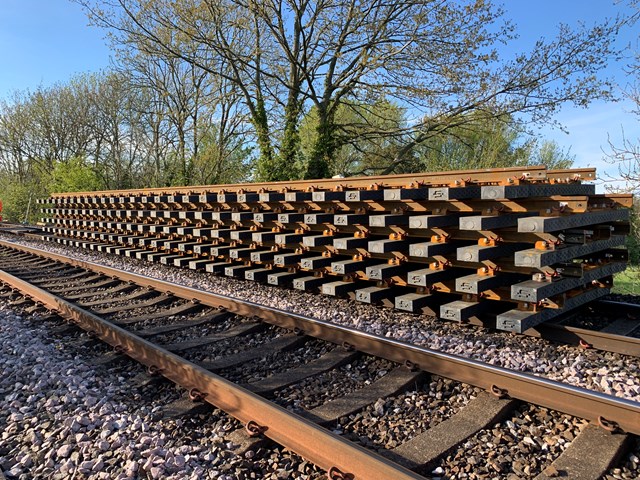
420,241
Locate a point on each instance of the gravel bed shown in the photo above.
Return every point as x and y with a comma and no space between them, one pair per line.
591,321
143,310
620,297
162,321
392,421
617,375
64,418
520,447
314,391
232,345
629,467
102,294
198,331
277,362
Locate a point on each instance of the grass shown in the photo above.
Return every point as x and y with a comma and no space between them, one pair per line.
627,282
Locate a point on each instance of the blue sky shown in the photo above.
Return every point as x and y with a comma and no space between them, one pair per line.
590,129
47,41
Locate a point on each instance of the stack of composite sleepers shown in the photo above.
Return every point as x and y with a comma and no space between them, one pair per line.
508,247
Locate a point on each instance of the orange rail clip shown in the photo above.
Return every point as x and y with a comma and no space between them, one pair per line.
442,238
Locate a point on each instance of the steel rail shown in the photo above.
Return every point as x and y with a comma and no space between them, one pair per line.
587,338
538,172
318,445
575,401
617,303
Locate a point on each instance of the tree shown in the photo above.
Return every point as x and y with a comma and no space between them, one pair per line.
128,132
360,148
488,142
73,176
118,130
177,89
437,59
222,159
549,153
15,132
223,41
18,198
627,155
42,127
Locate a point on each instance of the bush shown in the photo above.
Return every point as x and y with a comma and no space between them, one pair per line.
15,200
73,176
633,239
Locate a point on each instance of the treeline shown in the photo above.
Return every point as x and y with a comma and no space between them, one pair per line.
223,91
108,131
101,132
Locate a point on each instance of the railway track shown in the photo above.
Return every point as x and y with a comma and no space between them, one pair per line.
186,335
19,229
605,325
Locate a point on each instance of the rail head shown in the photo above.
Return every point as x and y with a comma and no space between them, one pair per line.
497,175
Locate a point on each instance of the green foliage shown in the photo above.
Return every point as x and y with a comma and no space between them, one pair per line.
487,142
552,155
220,162
104,131
386,87
478,142
353,143
170,173
74,176
269,166
633,239
290,153
627,282
19,194
19,199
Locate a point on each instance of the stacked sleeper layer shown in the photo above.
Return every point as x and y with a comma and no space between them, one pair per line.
516,246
